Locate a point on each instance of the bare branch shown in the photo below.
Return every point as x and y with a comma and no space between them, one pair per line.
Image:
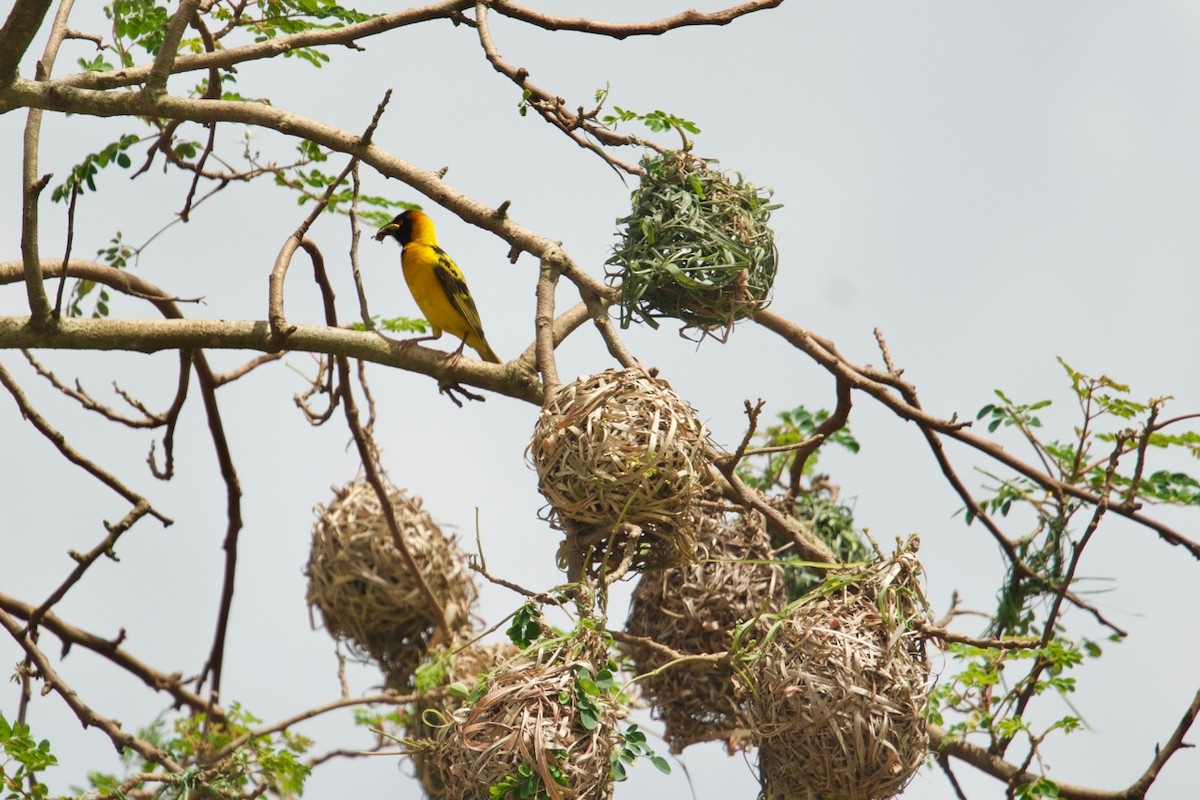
110,650
70,453
120,739
85,560
884,387
834,423
543,327
623,30
552,108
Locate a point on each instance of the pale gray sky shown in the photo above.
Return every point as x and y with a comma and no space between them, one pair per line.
993,185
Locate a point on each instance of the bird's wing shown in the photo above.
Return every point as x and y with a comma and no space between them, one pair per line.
455,286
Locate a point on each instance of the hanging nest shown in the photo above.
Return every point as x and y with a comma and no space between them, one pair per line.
435,708
696,247
364,590
620,457
525,735
840,690
695,610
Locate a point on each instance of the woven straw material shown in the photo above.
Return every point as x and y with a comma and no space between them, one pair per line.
695,610
433,711
621,449
363,589
528,717
840,692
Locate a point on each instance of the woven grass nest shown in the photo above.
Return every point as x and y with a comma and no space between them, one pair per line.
434,710
695,610
363,589
620,458
524,733
696,246
840,691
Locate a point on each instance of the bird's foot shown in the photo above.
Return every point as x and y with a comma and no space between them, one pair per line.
451,388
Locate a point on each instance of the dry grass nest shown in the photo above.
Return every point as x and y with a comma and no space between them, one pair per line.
695,610
620,458
364,590
524,734
840,690
435,708
696,246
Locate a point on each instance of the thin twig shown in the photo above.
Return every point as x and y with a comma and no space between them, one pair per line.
88,717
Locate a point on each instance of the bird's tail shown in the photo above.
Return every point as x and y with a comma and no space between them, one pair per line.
485,351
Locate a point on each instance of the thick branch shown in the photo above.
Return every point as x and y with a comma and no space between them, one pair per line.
22,25
149,336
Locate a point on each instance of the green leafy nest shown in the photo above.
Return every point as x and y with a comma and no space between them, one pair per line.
696,246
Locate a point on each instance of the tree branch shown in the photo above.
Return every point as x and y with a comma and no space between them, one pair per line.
883,387
110,650
112,729
24,20
623,30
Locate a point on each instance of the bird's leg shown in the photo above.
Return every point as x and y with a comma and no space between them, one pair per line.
437,334
453,359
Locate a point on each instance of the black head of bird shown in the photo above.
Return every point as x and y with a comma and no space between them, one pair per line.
412,226
400,228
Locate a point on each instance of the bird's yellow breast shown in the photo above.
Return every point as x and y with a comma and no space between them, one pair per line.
418,262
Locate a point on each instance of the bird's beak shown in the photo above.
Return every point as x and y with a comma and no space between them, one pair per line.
386,231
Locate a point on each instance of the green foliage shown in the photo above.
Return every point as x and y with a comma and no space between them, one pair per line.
526,626
527,783
1010,413
832,523
696,246
1043,787
136,23
117,256
657,121
97,64
1107,454
630,746
22,758
312,184
590,692
980,698
766,472
395,325
84,173
288,17
272,759
815,506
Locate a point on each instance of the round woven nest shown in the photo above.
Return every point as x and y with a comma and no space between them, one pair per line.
364,590
435,708
620,458
524,733
696,246
695,610
840,690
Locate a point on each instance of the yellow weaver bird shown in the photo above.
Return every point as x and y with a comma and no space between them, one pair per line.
436,283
